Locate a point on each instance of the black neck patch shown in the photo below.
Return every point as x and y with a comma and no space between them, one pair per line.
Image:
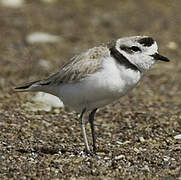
122,59
148,41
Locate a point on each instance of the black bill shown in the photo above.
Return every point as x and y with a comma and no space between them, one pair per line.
159,57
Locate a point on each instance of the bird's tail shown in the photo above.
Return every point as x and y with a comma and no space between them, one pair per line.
31,86
40,85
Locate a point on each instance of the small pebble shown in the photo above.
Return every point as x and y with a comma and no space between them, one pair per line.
122,143
12,3
40,37
166,158
136,150
48,99
141,139
45,64
119,157
146,168
177,136
172,45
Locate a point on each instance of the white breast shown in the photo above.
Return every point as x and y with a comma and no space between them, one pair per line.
101,88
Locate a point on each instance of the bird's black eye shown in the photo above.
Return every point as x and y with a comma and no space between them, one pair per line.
135,48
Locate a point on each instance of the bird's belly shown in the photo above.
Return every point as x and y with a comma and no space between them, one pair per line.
97,90
85,95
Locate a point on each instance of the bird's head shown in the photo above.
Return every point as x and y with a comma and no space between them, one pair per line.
142,51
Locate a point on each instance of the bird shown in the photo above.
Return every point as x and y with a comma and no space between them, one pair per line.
99,76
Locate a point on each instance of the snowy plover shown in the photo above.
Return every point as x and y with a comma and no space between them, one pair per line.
100,76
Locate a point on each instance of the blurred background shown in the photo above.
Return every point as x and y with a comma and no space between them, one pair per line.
78,25
37,37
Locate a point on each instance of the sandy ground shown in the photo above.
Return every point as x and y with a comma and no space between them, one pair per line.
135,135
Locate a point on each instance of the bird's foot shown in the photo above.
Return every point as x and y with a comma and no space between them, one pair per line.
86,152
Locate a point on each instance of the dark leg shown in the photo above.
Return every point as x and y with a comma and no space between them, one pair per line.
82,123
91,121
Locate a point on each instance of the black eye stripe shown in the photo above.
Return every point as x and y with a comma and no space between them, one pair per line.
135,48
130,49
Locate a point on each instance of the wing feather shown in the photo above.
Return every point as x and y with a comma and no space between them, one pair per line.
79,66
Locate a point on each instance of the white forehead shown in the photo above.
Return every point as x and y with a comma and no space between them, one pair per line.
133,41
